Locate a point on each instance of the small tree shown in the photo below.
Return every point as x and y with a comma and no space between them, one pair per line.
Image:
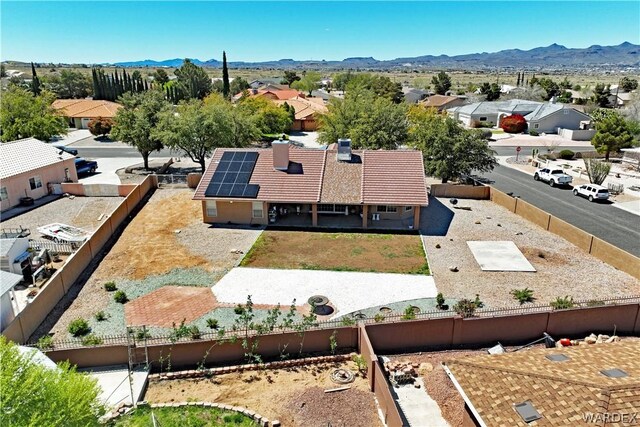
597,170
441,83
514,123
309,82
160,77
490,91
601,94
628,84
100,126
225,76
612,134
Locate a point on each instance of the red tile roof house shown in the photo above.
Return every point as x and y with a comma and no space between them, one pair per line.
291,186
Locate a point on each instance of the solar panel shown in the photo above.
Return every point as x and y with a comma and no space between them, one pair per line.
232,175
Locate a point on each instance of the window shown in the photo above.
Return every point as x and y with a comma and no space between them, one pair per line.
257,210
536,125
212,208
483,119
408,208
384,208
325,208
35,182
4,195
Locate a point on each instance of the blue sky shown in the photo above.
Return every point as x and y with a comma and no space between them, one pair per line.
91,31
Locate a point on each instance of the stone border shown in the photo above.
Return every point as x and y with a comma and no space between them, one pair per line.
262,421
193,373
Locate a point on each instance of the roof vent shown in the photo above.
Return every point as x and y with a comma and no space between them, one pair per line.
557,357
527,411
614,373
344,150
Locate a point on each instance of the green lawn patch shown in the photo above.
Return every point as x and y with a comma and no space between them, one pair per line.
187,416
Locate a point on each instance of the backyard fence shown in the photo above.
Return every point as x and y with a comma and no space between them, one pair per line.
171,179
61,248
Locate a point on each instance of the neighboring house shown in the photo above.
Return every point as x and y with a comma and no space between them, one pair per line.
29,168
556,387
259,83
339,188
306,111
273,94
443,102
492,112
413,95
551,117
7,296
320,93
621,99
79,112
14,256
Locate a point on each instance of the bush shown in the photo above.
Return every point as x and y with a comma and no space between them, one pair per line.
515,123
212,323
409,313
534,133
100,316
120,297
91,339
484,124
440,301
45,342
361,362
567,154
378,318
100,126
79,327
347,321
523,295
562,303
194,332
465,307
110,286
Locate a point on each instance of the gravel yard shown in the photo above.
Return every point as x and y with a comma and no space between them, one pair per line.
82,212
150,254
562,268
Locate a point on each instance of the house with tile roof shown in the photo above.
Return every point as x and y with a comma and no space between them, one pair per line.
472,115
79,112
444,102
581,385
306,112
29,168
291,186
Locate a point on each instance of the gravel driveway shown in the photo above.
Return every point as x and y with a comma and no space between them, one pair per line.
562,268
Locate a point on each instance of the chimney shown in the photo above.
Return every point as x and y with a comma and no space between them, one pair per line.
344,150
280,150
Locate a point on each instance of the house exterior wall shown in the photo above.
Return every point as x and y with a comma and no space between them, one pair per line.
239,212
455,103
559,119
6,310
19,247
81,122
18,185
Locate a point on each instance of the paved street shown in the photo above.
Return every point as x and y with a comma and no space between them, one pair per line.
613,225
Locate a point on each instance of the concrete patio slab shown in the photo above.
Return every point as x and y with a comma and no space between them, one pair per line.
347,291
114,383
418,407
499,256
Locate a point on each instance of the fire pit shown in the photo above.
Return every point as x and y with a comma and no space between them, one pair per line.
319,305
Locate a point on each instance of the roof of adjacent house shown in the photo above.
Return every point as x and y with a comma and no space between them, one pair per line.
6,245
304,107
28,154
8,281
562,392
87,108
520,106
545,110
389,177
438,100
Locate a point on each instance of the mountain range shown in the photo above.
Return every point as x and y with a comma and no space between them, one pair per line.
555,56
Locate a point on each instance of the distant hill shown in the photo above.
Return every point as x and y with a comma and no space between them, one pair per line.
555,56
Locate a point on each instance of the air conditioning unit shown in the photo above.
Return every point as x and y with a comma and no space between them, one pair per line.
375,217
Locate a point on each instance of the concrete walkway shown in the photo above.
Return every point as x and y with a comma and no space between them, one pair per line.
114,383
347,291
107,168
418,407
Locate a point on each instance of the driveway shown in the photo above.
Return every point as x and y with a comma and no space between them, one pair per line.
348,292
107,168
305,139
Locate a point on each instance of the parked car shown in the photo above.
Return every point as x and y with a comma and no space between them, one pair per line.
591,192
72,151
552,176
84,167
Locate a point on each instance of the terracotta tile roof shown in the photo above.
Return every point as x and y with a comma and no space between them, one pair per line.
342,181
438,100
393,178
382,177
277,186
28,154
562,392
305,107
88,108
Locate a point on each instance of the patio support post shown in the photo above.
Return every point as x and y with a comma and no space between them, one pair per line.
416,217
314,214
365,214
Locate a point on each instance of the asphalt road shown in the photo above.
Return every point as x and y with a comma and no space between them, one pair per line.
618,227
123,152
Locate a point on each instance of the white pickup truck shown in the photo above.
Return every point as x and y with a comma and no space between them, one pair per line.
552,176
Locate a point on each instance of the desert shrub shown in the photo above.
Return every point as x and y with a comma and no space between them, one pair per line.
100,126
239,309
194,332
120,297
597,170
595,303
100,316
478,302
567,154
212,323
409,313
533,132
561,303
110,286
379,317
45,342
79,327
515,123
92,339
523,295
361,362
142,334
440,301
348,321
484,124
465,307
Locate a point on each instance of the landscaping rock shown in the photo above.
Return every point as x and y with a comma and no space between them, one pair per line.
453,268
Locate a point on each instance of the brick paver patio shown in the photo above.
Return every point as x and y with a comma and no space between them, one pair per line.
169,305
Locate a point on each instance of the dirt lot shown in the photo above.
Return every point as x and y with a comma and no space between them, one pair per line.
386,253
82,212
294,396
562,268
151,253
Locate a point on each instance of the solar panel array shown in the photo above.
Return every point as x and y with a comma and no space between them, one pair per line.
231,177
